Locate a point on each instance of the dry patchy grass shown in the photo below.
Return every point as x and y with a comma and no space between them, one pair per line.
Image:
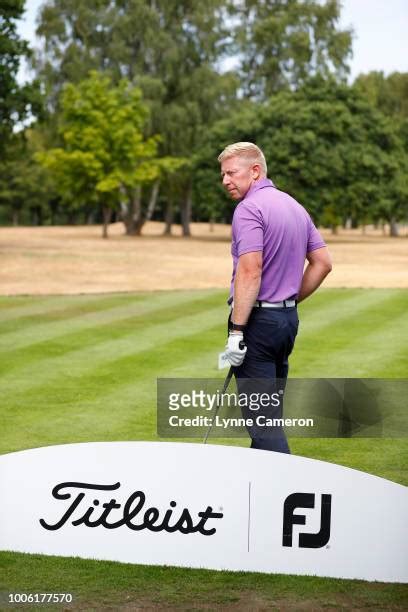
75,259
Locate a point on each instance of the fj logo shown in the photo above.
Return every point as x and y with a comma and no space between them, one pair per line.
306,500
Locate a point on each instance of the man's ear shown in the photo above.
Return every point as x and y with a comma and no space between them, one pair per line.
256,171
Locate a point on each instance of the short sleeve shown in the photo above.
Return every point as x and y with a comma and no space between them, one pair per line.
248,229
314,239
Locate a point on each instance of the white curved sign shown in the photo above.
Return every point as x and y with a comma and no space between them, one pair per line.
211,506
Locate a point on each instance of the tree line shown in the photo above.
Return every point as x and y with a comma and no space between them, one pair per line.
132,101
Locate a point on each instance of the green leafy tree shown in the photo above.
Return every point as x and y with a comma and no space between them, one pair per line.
242,125
171,49
105,153
27,192
17,102
283,43
388,93
327,146
21,179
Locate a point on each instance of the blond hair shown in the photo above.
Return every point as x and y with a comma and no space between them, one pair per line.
249,150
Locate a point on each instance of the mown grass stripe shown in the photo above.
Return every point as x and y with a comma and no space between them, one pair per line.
187,356
42,332
134,400
370,346
343,354
56,306
115,399
342,308
40,305
394,367
80,405
8,302
315,369
78,341
75,363
64,312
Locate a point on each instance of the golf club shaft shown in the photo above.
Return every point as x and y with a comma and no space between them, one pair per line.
225,387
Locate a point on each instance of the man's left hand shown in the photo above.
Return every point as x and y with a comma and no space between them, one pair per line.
235,348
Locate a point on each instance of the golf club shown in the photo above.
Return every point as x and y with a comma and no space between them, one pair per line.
225,387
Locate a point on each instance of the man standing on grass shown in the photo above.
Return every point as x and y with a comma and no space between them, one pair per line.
272,236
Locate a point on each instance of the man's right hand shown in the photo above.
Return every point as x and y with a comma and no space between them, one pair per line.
235,348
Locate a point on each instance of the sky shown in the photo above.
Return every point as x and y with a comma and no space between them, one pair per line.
380,34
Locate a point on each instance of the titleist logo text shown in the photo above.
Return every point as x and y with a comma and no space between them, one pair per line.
133,514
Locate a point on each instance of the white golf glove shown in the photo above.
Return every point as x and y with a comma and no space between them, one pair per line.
235,349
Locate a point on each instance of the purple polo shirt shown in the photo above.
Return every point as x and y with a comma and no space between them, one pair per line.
271,221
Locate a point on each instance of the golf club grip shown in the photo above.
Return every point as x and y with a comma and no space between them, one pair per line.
242,345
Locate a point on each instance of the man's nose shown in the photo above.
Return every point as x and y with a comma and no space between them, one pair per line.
225,180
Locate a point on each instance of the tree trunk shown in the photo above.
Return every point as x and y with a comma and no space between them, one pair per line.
138,226
34,216
186,210
153,200
334,229
106,214
168,218
393,227
71,217
132,213
54,210
15,217
40,215
90,217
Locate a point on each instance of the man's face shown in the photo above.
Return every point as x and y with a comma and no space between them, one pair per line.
238,174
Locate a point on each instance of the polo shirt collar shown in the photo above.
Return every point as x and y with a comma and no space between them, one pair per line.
261,184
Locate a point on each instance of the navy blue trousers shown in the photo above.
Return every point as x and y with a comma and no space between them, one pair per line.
270,336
